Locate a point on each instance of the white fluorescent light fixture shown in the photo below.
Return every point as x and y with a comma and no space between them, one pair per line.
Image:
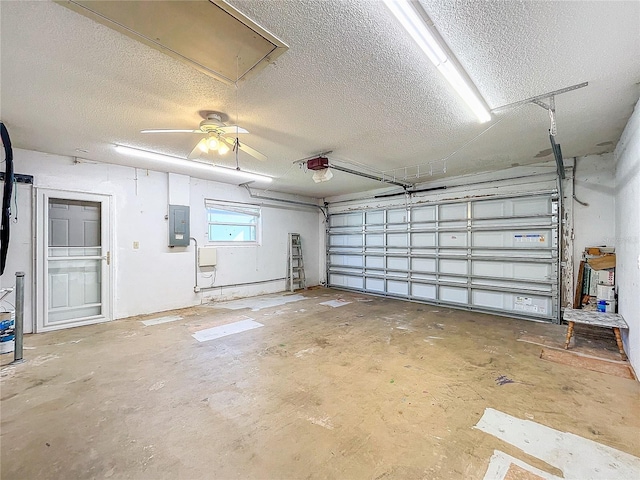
202,166
427,39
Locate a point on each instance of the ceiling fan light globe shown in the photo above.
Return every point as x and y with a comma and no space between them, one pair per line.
202,146
223,150
212,143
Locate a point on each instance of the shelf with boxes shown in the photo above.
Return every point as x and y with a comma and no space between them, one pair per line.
595,288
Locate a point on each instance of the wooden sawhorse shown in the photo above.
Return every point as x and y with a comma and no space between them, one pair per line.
598,319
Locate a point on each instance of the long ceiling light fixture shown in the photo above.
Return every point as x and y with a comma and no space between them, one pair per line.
416,22
200,165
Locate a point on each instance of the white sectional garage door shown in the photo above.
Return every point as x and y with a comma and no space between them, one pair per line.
497,255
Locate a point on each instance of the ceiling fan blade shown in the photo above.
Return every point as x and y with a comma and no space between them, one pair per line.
244,147
252,151
229,141
232,130
199,149
170,131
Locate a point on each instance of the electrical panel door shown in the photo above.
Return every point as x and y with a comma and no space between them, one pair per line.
178,226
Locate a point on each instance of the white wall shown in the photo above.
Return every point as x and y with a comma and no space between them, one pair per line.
593,225
627,208
155,277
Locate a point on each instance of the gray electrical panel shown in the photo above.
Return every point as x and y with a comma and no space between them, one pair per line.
178,226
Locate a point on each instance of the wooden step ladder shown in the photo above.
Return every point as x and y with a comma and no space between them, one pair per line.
295,275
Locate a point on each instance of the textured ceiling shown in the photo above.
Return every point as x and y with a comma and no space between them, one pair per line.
351,82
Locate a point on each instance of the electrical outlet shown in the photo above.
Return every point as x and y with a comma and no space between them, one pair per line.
136,245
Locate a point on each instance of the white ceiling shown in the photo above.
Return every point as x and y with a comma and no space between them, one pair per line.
351,82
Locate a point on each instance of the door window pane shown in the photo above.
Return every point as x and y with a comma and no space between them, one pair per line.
74,223
75,264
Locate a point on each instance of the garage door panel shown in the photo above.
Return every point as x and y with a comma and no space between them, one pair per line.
430,278
492,300
398,227
489,209
344,220
345,240
542,288
423,264
452,279
529,305
530,239
423,239
346,281
453,294
531,206
374,218
397,216
453,211
375,240
452,239
528,222
506,269
489,239
533,271
396,287
346,260
423,291
423,214
397,240
498,254
453,266
375,284
374,262
398,263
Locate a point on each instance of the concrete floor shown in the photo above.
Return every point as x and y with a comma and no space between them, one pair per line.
375,389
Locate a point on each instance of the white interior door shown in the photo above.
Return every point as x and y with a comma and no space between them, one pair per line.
74,267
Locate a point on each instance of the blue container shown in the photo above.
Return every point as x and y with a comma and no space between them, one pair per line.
4,324
602,305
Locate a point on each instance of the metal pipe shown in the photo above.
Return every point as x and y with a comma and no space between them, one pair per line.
367,175
19,322
283,200
558,317
213,287
573,183
411,192
196,288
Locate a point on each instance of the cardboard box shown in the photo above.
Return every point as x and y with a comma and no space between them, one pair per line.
604,262
593,283
600,277
606,292
606,277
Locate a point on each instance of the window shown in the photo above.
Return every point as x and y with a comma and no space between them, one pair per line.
232,222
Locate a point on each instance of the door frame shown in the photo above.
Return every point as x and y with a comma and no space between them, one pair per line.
42,196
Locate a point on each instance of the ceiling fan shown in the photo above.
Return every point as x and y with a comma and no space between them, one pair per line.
218,137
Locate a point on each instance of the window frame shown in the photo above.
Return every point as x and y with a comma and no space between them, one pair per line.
234,207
